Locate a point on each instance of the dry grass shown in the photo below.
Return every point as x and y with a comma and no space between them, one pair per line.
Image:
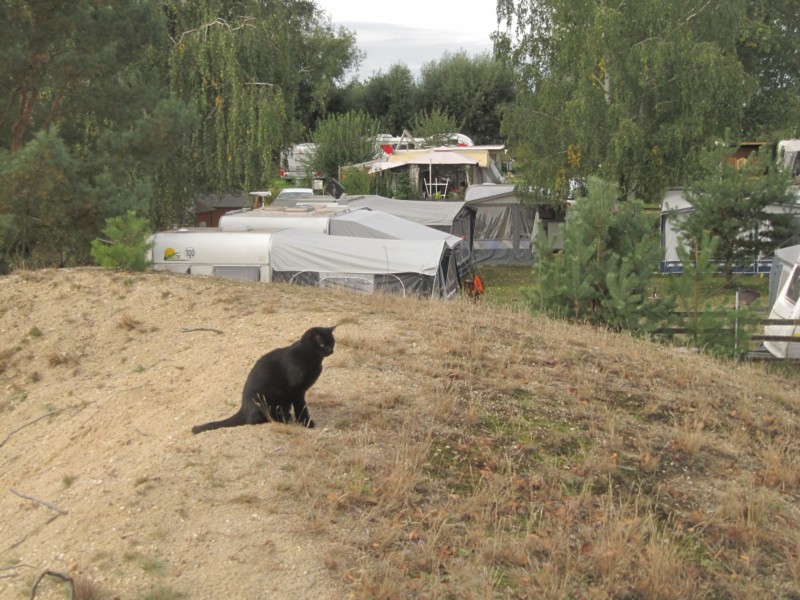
522,458
466,451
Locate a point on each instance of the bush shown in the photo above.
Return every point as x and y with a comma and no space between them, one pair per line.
126,245
603,274
356,181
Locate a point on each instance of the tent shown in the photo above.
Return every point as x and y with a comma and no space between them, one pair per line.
366,223
406,267
339,220
675,207
674,203
451,217
503,227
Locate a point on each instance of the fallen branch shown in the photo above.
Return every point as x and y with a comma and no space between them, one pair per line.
38,501
61,576
21,427
188,330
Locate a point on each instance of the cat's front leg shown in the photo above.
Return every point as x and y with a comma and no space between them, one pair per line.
301,413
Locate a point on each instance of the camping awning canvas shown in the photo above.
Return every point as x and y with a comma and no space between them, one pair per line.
368,223
441,158
379,167
438,214
295,250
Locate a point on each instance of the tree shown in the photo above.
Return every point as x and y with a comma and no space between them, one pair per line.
126,245
343,140
628,91
391,98
84,85
434,125
603,274
706,325
768,51
49,217
737,206
473,90
258,73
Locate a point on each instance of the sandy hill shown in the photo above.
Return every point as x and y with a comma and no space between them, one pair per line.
460,451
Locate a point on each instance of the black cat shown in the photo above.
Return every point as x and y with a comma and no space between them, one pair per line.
279,381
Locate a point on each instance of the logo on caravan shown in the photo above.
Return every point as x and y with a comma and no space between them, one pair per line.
172,254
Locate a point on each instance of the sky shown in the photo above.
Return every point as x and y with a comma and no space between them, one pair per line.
413,32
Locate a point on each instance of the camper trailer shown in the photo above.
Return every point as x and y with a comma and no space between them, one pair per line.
786,307
340,221
407,267
314,217
241,255
789,158
296,163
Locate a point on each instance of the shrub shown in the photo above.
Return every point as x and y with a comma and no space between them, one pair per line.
126,245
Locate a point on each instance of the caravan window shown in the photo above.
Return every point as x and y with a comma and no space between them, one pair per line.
238,273
793,289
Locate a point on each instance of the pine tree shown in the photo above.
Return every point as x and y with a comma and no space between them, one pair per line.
603,274
713,328
735,205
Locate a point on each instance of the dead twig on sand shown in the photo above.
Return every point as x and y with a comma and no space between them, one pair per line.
28,424
38,501
189,330
60,576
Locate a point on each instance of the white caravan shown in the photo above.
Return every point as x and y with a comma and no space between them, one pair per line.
787,307
407,267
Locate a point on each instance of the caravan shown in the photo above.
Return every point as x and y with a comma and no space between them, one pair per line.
787,308
407,267
340,221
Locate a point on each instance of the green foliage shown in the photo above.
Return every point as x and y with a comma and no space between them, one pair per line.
629,91
731,205
766,52
47,217
603,274
343,140
126,246
86,124
434,125
356,181
391,97
473,90
707,323
404,190
219,65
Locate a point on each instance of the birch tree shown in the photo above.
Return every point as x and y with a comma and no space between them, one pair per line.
630,90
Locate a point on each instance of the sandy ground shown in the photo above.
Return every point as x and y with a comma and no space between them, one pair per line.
102,375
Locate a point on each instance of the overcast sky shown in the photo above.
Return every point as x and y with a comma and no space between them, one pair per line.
413,31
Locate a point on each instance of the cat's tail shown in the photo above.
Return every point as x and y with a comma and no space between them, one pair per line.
233,421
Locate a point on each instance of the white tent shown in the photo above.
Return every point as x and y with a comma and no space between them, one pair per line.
675,208
366,223
376,223
418,267
674,203
445,215
436,157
